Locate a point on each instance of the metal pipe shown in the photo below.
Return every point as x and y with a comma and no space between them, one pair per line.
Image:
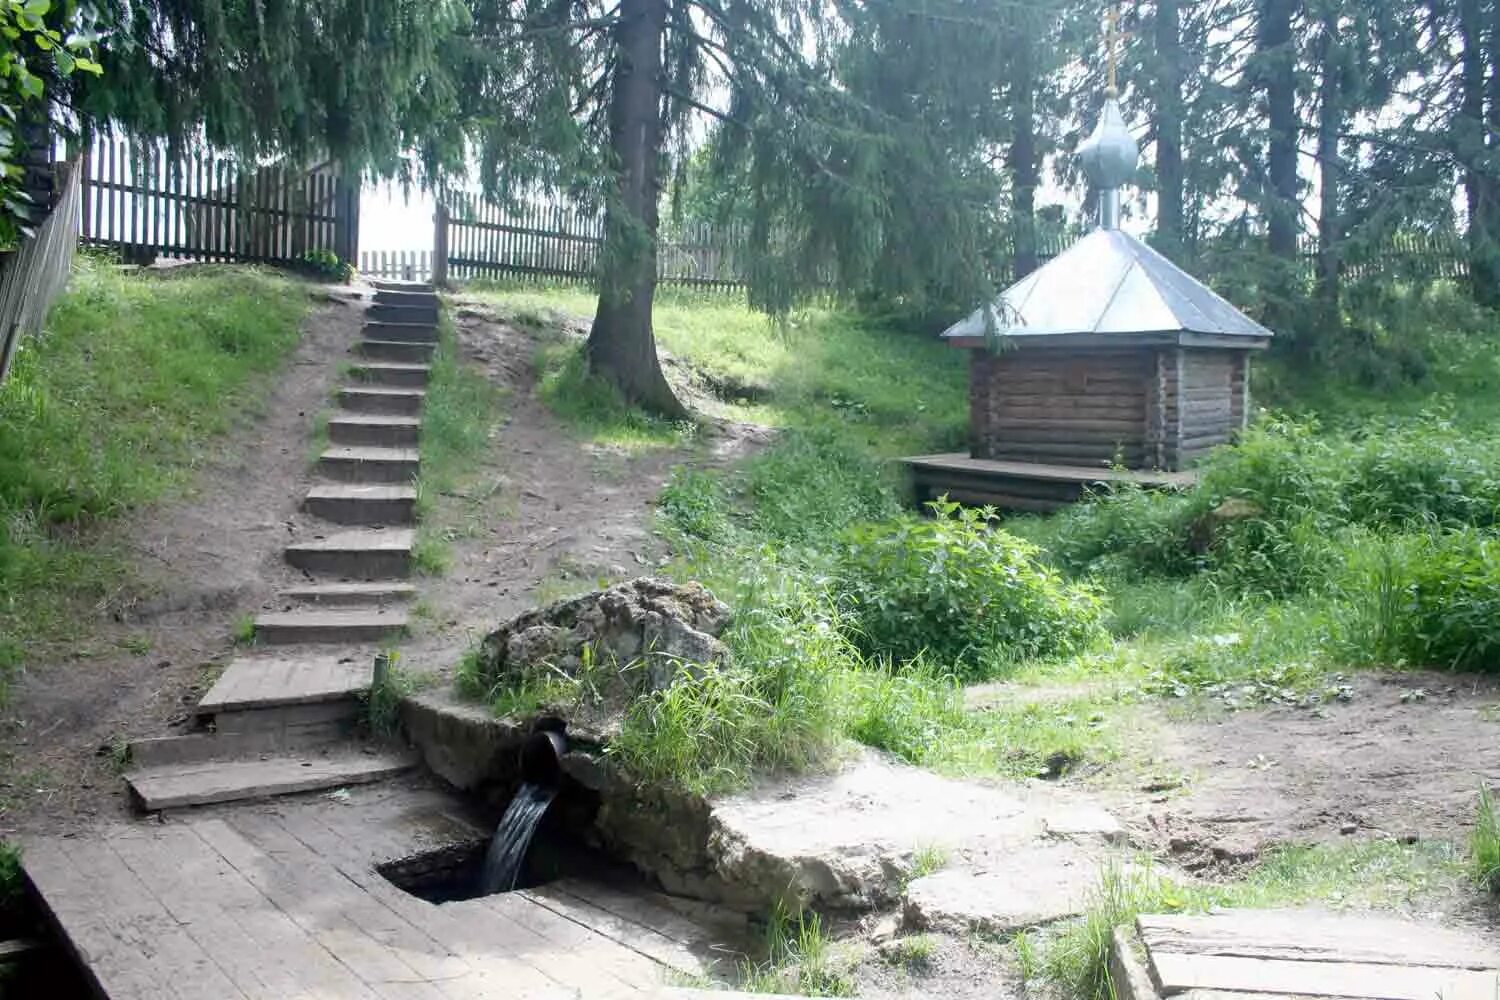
1109,208
541,758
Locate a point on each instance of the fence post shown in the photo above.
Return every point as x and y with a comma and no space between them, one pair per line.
440,246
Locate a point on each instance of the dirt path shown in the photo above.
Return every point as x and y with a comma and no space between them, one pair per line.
204,561
1403,757
546,512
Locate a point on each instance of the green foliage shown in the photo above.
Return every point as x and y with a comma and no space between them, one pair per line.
243,630
41,43
327,265
12,879
111,409
907,712
595,408
800,959
912,952
774,708
964,594
1484,843
392,686
1448,613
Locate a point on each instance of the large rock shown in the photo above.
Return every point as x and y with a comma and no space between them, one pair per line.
644,632
845,839
1034,885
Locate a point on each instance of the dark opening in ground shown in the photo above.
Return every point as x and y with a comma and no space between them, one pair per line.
453,872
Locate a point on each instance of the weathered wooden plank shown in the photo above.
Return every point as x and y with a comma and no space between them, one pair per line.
175,787
135,949
1054,471
220,911
262,681
352,928
490,954
1315,936
1176,973
562,934
576,901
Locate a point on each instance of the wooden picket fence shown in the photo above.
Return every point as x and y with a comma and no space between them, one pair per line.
205,206
559,243
32,276
398,265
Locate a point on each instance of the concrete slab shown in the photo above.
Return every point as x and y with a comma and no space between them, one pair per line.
1035,885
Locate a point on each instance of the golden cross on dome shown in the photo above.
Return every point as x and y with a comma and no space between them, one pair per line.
1113,39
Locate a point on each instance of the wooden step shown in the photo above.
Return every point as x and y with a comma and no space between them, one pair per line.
399,285
198,748
257,682
380,399
404,333
375,430
387,313
343,594
362,503
351,626
409,296
391,373
369,554
179,786
356,464
395,350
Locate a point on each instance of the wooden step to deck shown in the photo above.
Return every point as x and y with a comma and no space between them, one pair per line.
411,296
353,626
375,430
202,747
404,333
359,464
395,350
369,554
401,285
383,312
252,682
392,373
390,401
176,787
345,594
380,399
361,503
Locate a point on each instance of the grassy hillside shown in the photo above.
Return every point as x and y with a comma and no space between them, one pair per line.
112,408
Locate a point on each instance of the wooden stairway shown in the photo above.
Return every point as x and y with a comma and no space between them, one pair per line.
279,719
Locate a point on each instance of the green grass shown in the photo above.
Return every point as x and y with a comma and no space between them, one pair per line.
112,409
459,417
1368,874
801,959
889,390
1484,844
595,409
242,632
912,953
12,880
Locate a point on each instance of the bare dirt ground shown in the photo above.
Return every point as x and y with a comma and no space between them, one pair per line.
544,509
1403,757
203,560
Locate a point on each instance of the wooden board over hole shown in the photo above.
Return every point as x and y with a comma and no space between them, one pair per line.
1314,954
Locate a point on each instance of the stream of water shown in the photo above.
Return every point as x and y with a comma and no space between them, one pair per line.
502,862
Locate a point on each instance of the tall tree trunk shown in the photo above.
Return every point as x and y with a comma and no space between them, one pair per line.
1169,116
1469,140
1489,163
1331,170
1280,77
1021,158
622,346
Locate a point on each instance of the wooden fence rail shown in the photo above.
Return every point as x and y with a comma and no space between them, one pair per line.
33,276
204,206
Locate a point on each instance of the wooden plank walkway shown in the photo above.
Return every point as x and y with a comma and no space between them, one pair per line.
282,901
1309,955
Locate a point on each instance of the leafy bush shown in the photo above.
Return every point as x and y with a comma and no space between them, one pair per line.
961,593
1447,611
1127,530
327,265
1423,474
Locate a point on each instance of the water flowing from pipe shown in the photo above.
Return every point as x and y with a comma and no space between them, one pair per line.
502,862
